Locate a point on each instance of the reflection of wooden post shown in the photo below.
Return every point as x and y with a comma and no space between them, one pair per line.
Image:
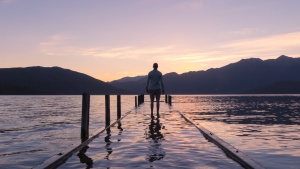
85,116
166,98
118,106
140,99
107,110
135,98
170,100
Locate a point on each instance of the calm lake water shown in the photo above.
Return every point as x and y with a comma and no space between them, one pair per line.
267,128
34,128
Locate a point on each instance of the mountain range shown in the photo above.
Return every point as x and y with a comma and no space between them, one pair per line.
51,81
248,76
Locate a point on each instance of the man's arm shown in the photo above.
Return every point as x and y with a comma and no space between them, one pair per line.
162,85
148,79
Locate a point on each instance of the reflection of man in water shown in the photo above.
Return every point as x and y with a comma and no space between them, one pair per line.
155,86
155,138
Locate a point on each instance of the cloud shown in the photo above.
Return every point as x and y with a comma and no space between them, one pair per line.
281,40
189,5
263,47
126,52
5,2
193,56
267,47
60,45
244,31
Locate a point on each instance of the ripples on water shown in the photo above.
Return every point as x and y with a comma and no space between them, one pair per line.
265,127
144,142
34,128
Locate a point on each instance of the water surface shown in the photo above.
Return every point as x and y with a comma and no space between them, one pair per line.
35,128
265,127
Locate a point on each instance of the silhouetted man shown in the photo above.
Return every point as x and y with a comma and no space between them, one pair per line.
155,86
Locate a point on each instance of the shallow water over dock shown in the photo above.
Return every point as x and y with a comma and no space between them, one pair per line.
266,128
140,141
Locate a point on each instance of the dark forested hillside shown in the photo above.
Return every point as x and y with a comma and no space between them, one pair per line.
54,80
281,75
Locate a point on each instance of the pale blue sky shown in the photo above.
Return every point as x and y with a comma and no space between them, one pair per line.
110,39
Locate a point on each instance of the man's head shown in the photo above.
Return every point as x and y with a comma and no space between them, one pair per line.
155,65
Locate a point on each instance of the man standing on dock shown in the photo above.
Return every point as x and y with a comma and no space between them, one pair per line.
155,87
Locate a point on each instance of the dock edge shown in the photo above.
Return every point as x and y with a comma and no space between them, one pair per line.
58,159
232,152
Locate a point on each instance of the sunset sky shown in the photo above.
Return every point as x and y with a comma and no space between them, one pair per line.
110,39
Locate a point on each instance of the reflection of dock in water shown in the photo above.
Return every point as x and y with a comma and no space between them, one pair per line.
141,141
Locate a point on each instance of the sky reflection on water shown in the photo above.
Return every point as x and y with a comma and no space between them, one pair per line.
265,127
34,128
165,142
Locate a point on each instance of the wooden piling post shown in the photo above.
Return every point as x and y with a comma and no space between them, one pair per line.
135,98
170,100
166,98
139,100
107,110
85,116
118,106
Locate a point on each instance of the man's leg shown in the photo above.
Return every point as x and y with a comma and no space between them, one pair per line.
157,102
152,103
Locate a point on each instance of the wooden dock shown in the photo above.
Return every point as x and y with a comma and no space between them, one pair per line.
137,140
